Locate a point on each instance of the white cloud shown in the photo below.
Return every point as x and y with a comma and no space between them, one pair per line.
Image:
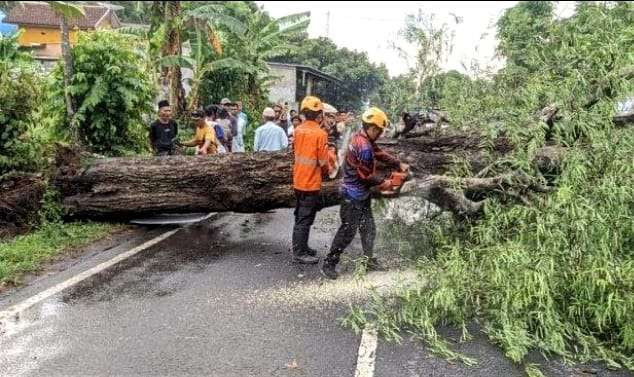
372,26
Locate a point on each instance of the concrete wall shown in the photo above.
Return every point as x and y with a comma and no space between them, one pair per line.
283,88
50,38
43,35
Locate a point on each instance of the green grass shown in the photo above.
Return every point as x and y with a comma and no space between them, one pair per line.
27,253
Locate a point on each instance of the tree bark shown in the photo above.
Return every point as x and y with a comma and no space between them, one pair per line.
68,77
20,201
126,187
173,47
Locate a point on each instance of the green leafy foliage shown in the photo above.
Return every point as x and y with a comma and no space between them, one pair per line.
250,39
113,92
27,253
19,99
556,275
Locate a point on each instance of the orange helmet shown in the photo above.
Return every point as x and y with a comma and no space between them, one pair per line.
375,116
311,103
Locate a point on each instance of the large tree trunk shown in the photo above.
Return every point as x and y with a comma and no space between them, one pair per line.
125,187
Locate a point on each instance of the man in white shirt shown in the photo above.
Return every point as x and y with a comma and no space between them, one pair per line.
269,136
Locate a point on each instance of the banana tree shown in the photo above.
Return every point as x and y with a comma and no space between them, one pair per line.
202,61
182,23
262,39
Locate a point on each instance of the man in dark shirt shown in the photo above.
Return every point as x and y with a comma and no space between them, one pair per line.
359,177
163,131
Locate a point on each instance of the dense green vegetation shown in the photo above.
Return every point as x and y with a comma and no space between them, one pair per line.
556,275
27,253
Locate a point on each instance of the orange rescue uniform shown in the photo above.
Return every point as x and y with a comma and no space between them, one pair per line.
311,156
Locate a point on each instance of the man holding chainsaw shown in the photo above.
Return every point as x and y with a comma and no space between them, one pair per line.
359,177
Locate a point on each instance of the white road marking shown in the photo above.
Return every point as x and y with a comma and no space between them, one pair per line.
367,353
20,307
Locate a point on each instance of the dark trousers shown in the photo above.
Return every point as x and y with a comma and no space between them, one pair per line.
165,152
306,208
355,214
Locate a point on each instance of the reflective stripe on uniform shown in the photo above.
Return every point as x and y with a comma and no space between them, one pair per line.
310,156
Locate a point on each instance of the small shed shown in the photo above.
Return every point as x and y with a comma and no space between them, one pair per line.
293,82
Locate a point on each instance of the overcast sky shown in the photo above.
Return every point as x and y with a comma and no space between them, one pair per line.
372,26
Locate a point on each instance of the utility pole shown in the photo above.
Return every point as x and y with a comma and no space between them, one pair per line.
328,24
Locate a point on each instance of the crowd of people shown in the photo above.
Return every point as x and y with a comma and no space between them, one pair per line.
314,135
220,128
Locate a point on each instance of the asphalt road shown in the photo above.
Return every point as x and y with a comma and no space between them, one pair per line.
218,298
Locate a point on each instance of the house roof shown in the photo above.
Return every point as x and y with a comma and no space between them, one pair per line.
36,13
308,69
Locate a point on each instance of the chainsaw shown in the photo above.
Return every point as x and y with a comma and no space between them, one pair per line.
397,180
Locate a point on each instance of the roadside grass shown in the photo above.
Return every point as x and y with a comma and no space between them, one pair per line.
27,253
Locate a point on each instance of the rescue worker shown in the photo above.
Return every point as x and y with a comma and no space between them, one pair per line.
311,164
205,138
359,177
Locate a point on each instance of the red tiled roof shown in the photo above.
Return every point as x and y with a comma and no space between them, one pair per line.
41,14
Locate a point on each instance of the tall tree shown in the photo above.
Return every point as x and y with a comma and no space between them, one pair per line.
261,39
172,12
68,12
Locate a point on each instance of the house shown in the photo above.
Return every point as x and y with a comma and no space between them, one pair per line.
41,31
293,82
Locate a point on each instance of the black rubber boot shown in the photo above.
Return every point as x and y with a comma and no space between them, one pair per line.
329,270
305,259
374,265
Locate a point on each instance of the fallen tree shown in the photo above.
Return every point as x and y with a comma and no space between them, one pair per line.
127,187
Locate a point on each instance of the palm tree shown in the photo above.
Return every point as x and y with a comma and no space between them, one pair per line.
173,46
67,12
194,25
261,39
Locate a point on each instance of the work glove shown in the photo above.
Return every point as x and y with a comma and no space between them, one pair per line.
386,186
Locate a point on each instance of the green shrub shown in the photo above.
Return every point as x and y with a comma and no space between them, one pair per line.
19,98
112,90
556,275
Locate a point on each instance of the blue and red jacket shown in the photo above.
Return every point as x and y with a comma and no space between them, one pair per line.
359,168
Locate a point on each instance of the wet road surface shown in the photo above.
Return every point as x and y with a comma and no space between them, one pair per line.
218,298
